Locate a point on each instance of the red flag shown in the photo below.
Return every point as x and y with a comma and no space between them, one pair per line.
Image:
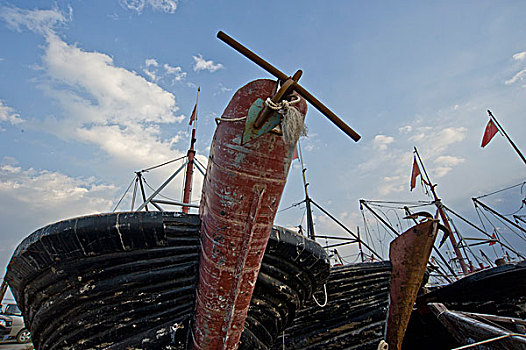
491,130
414,174
194,115
295,154
495,238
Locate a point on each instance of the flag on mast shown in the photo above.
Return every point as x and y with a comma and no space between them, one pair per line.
491,130
414,174
193,117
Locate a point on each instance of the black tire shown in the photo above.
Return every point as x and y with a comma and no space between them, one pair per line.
24,336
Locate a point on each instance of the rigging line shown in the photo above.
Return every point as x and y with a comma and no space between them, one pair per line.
198,162
159,194
501,220
368,231
341,225
292,206
516,211
199,167
462,239
509,228
459,237
501,236
504,189
369,201
120,200
399,205
134,196
163,164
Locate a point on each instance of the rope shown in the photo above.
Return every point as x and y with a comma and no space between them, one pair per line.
383,345
292,124
509,335
326,297
163,164
120,200
504,189
219,119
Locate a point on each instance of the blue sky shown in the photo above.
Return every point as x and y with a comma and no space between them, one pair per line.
91,91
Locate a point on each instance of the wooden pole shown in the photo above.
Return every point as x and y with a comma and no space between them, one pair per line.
187,194
283,77
438,204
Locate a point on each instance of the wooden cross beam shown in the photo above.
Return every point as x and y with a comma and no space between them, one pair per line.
295,86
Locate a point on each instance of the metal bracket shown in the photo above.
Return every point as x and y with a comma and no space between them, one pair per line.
260,118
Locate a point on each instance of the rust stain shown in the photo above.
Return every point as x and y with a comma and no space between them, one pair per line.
409,254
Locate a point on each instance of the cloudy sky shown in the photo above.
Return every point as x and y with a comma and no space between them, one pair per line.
91,91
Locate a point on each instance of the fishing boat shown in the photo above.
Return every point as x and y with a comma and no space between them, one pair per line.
222,279
495,289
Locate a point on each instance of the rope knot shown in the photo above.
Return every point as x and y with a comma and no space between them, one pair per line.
292,124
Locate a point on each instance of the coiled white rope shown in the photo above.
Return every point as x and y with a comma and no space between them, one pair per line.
326,297
383,345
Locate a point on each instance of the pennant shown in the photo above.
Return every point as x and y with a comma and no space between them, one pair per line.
194,115
491,130
295,154
414,174
495,238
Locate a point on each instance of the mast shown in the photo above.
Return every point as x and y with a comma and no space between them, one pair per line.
507,137
187,194
438,204
310,222
359,243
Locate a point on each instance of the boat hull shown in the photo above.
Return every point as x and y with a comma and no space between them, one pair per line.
128,280
355,315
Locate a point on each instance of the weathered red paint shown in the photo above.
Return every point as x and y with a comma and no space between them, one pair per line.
409,254
241,194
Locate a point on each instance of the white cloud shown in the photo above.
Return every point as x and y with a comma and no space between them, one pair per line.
156,74
444,164
222,89
201,64
405,129
102,100
435,140
519,76
151,74
380,142
521,56
177,72
39,21
53,192
391,184
108,106
7,114
151,62
168,6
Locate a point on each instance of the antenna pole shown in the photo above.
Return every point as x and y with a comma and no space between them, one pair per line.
507,137
310,223
438,204
359,243
187,194
139,176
